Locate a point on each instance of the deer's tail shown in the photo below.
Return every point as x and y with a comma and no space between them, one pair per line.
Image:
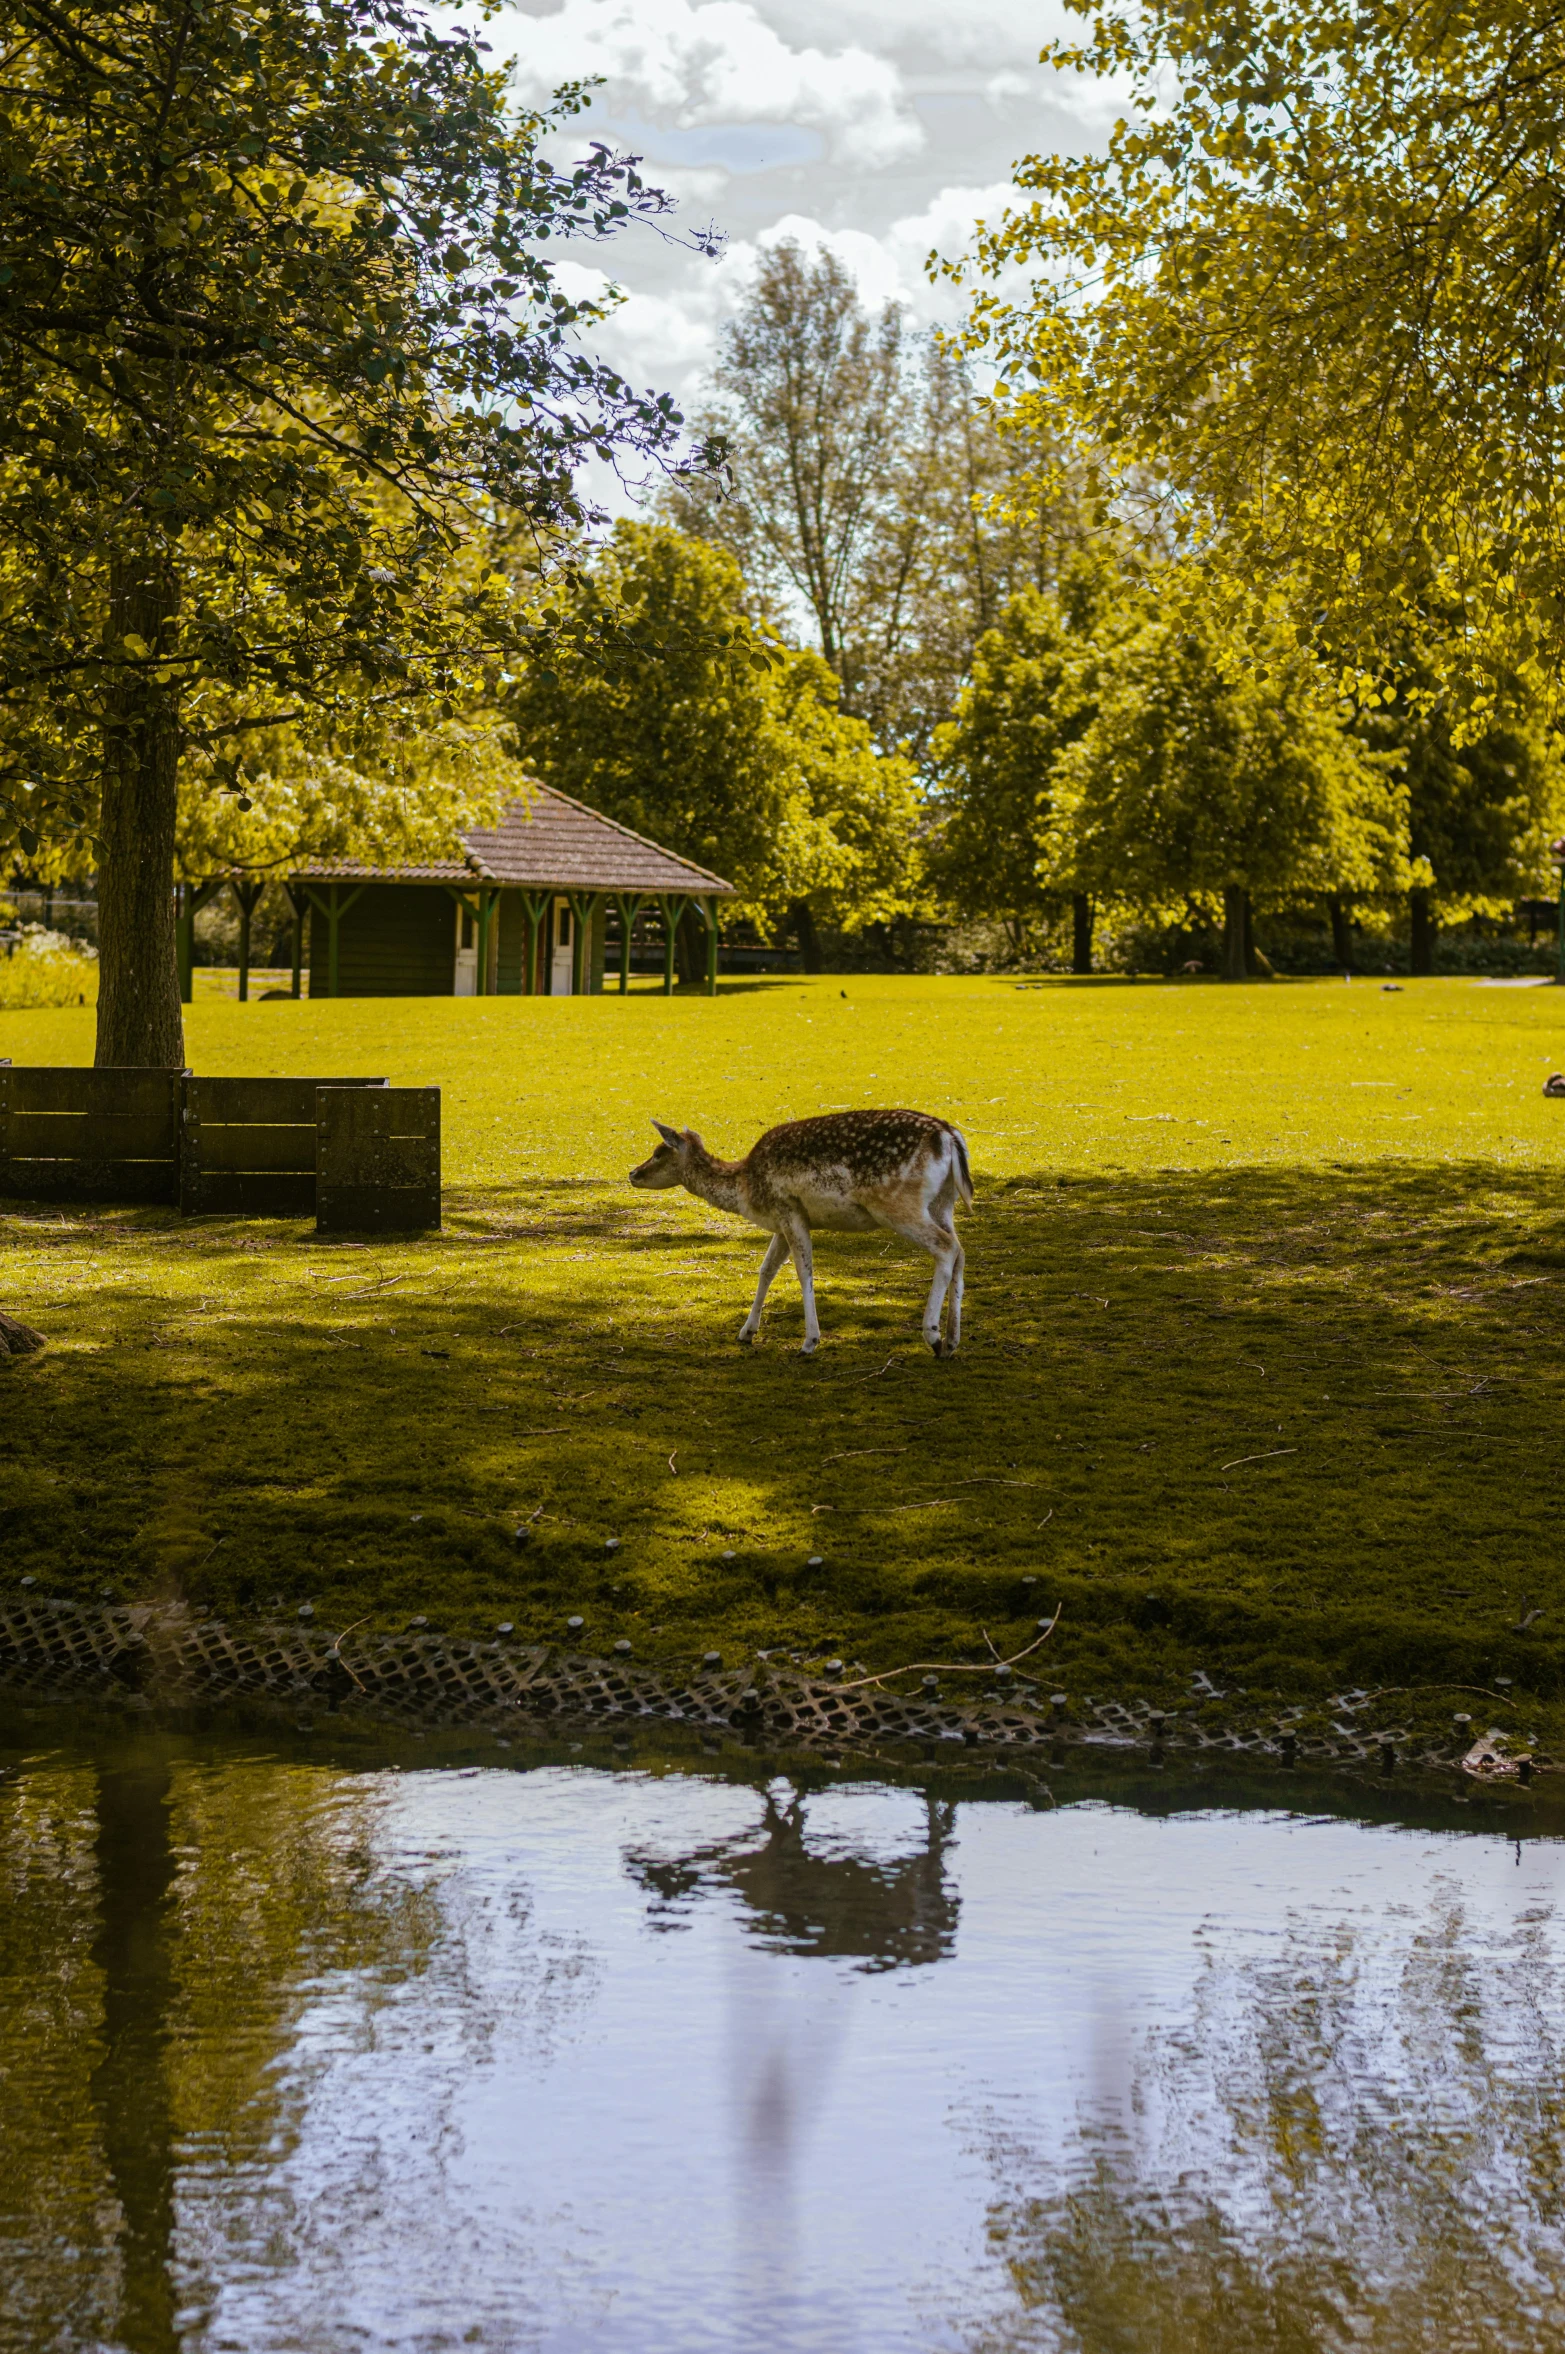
964,1175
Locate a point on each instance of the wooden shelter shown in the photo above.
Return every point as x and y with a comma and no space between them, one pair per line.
525,911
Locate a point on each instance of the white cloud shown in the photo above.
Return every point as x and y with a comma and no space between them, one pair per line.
975,32
669,340
715,61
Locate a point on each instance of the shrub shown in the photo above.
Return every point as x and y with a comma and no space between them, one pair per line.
40,967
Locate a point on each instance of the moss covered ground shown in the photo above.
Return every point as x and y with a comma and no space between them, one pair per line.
1263,1372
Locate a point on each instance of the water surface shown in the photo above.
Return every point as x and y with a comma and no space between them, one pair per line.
304,2053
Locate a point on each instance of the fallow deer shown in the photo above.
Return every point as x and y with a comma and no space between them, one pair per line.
848,1171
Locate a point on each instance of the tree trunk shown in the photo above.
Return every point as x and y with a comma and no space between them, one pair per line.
1081,932
800,922
139,1016
1251,968
130,2083
1341,936
1421,933
1236,926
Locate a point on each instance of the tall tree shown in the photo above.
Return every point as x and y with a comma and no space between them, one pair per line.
749,769
1217,767
1030,695
1479,817
276,338
872,492
973,516
1314,286
810,395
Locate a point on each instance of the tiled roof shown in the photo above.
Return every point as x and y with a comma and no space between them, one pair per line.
354,870
545,839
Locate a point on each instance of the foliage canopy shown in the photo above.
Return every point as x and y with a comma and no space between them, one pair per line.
277,342
748,768
1309,301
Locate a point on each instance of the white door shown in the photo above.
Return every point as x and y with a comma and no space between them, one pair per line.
560,974
465,980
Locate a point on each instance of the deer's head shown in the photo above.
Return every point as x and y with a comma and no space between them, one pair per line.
667,1165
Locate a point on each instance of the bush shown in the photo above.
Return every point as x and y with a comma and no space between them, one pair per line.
40,967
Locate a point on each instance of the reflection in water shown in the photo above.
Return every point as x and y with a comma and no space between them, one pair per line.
58,2277
831,1900
1329,2153
296,2059
165,1925
133,1951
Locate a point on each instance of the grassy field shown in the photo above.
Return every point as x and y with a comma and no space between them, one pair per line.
1263,1370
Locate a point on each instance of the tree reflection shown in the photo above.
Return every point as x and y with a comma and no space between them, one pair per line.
135,1863
1334,2152
166,1924
817,1900
56,2204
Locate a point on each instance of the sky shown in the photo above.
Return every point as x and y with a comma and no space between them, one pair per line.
882,128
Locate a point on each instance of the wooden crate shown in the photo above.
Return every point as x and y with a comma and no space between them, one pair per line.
76,1134
247,1148
377,1168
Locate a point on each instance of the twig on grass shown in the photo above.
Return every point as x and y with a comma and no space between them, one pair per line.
336,1650
1270,1456
1044,1522
957,1667
846,1454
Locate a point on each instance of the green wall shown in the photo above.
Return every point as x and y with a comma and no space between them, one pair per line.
396,940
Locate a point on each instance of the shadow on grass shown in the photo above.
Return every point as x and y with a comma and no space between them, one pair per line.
1292,1427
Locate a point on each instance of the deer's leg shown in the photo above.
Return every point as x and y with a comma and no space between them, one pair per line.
776,1252
954,1298
802,1251
927,1234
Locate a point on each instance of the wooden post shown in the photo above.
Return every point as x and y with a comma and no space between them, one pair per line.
297,901
333,908
583,906
192,897
630,906
535,905
673,906
247,893
488,901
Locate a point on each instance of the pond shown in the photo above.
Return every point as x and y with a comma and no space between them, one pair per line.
323,2050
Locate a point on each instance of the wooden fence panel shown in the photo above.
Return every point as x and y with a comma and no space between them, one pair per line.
76,1134
378,1160
248,1146
88,1136
80,1088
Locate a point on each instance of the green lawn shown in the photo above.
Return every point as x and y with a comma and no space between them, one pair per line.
1263,1367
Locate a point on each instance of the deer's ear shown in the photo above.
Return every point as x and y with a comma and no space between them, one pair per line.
669,1135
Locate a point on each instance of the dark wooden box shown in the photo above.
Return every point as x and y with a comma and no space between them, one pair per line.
75,1134
377,1168
248,1148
